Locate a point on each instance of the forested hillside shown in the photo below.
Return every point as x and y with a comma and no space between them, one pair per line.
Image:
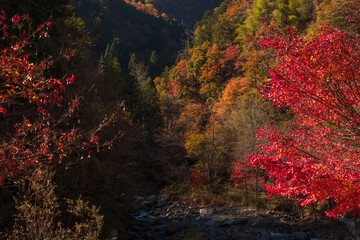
105,102
186,11
63,114
260,99
132,31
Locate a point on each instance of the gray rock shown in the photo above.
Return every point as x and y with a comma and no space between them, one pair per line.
161,227
152,198
149,221
194,222
353,224
145,204
206,212
221,238
227,222
211,223
142,215
172,228
139,199
242,221
244,236
300,236
180,216
134,235
160,220
280,236
179,235
161,203
265,236
151,235
114,232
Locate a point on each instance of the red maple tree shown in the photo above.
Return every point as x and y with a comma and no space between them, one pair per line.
30,133
316,158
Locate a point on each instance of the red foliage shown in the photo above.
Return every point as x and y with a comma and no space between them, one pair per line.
179,82
231,53
319,82
198,178
241,172
25,85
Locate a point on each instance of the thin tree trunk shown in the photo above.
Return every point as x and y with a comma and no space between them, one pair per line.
246,192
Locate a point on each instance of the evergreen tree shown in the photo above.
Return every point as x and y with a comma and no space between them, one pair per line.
153,58
132,61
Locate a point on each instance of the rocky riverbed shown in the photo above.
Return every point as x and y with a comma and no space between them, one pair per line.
158,219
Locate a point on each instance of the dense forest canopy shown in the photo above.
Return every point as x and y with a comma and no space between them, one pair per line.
101,100
186,11
134,31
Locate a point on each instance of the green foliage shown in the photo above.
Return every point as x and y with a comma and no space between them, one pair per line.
259,203
39,215
138,32
283,13
132,61
221,71
88,222
175,192
110,53
153,58
260,10
344,14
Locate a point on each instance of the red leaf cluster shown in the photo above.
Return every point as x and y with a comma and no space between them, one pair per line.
27,90
198,178
318,80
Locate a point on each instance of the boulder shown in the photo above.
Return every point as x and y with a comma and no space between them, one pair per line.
228,222
300,236
211,223
173,228
353,224
265,236
244,236
146,204
206,212
139,199
152,198
280,236
161,203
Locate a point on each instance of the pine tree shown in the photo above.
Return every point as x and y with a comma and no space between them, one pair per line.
153,58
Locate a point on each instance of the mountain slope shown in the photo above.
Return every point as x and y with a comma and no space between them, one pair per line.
188,11
138,32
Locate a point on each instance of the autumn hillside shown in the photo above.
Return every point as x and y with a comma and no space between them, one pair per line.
192,119
187,12
260,101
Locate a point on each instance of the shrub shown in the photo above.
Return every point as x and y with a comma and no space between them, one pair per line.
39,215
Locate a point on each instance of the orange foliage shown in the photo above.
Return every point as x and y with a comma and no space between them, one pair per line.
178,79
344,14
162,85
193,116
256,63
147,8
236,87
231,53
